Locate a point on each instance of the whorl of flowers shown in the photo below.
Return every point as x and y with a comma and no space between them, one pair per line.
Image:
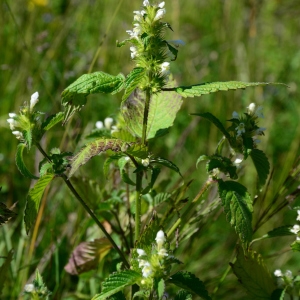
149,49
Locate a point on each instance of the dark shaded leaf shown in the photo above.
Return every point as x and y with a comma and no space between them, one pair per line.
5,213
261,164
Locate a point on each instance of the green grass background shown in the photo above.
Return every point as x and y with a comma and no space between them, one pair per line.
46,45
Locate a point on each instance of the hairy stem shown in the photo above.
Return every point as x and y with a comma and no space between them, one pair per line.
145,119
88,210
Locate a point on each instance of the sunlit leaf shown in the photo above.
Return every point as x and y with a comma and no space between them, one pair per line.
238,208
132,81
116,282
52,121
74,96
212,87
253,274
33,200
162,112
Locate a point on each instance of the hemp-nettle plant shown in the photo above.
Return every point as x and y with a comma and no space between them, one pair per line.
148,237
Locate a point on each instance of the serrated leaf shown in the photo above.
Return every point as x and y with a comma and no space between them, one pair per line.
116,282
74,96
133,79
210,117
162,113
261,164
137,150
183,295
52,121
33,200
280,231
222,163
191,283
27,134
5,213
253,274
202,158
117,296
20,162
167,163
4,269
212,87
238,208
87,255
46,168
98,146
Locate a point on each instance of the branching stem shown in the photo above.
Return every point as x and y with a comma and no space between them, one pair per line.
88,210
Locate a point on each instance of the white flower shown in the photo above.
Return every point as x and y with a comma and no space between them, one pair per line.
12,123
278,273
12,115
146,3
132,33
134,51
18,134
165,67
237,161
251,108
297,238
29,288
298,217
145,162
160,239
296,229
99,124
141,252
161,4
235,115
147,270
162,252
159,14
240,129
34,100
108,122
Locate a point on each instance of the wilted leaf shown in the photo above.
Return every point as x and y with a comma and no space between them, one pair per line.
87,255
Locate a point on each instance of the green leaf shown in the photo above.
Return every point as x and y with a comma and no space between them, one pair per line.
33,200
253,274
167,163
46,168
133,79
224,164
210,117
20,162
280,231
117,296
183,295
162,112
27,134
161,197
116,282
74,96
160,288
40,286
202,158
212,87
123,135
5,213
191,283
238,208
4,269
261,164
52,120
295,246
101,145
278,294
125,177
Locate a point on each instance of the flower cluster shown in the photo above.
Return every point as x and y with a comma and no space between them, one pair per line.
149,49
296,228
107,125
152,265
246,125
284,279
18,123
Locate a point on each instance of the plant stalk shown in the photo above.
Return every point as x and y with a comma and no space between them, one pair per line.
88,210
139,180
145,119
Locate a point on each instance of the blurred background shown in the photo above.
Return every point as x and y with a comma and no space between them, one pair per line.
46,45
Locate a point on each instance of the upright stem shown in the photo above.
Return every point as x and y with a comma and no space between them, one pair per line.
146,112
88,210
139,180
